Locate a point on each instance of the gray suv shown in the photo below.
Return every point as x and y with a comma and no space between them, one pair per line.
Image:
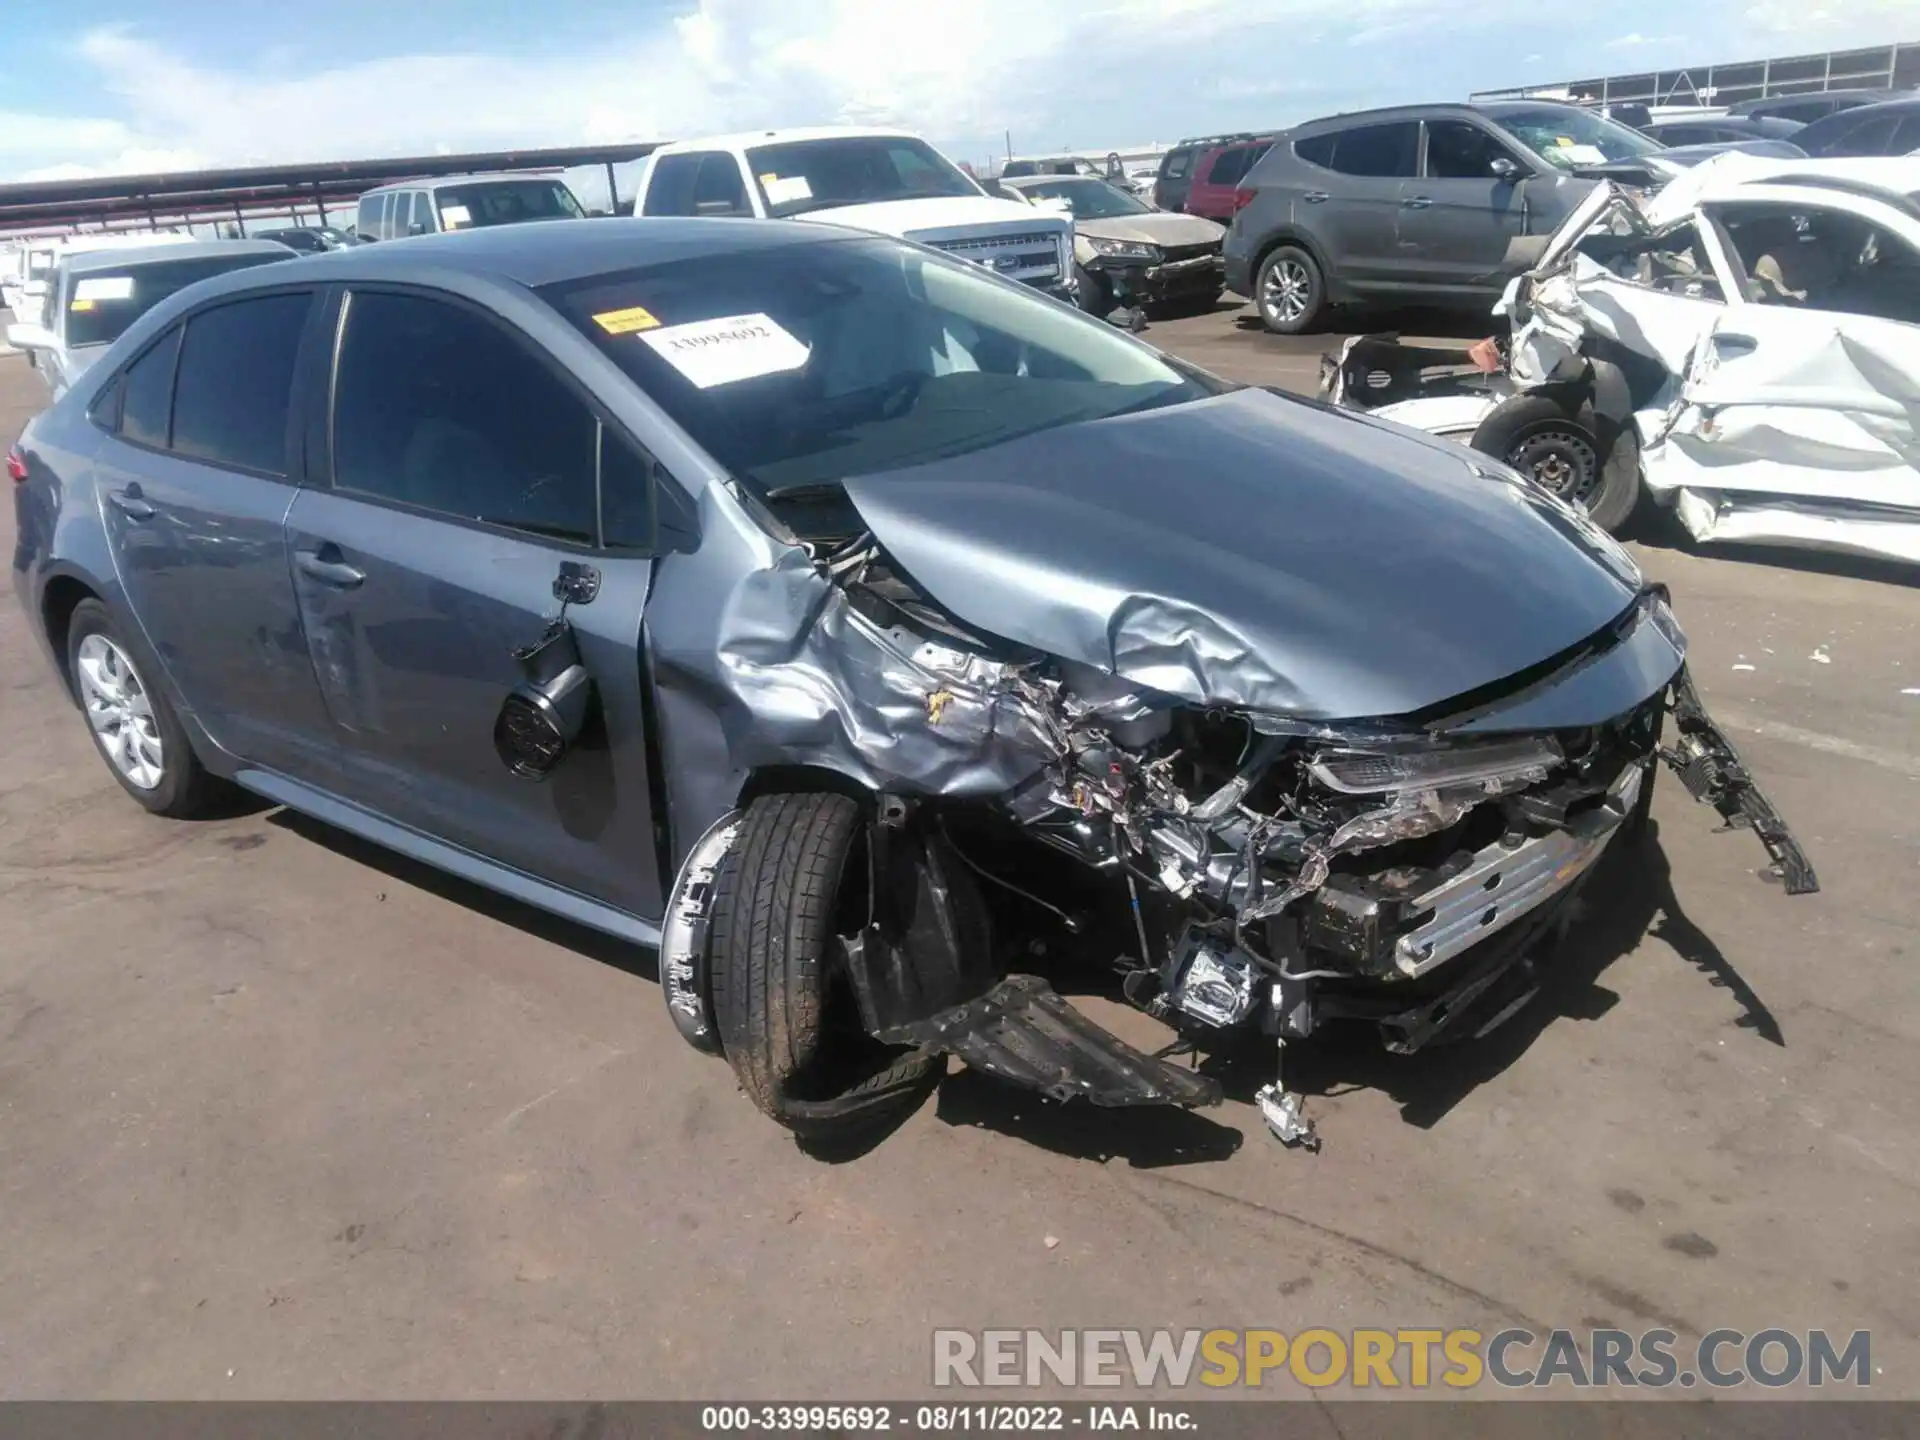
1418,203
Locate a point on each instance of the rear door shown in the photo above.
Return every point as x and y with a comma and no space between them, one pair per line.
1456,222
1352,206
466,468
196,481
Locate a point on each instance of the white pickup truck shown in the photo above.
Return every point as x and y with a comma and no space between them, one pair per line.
881,180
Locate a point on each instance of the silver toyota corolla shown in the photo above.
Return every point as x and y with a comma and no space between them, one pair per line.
864,631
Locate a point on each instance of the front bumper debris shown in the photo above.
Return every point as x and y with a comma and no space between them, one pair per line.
1021,1031
1715,775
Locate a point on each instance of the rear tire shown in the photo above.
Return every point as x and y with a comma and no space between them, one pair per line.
791,885
133,727
1289,292
1538,436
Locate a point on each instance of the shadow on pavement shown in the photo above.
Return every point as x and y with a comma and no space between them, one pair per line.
621,954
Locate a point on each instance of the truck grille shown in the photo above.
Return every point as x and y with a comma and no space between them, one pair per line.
1033,258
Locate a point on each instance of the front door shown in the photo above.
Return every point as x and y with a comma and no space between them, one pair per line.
195,484
465,472
1457,220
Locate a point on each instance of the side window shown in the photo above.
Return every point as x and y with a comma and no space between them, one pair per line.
1014,169
236,379
1177,163
670,191
423,211
366,220
1906,137
626,494
1316,150
1864,137
1378,150
436,407
1230,165
718,188
1457,150
146,393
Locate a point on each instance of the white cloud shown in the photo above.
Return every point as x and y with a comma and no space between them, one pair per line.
959,68
1635,40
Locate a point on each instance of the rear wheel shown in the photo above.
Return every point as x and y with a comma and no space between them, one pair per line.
791,892
1289,291
133,726
1537,436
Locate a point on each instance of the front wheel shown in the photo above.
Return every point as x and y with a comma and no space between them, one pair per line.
1092,293
1289,291
133,726
790,892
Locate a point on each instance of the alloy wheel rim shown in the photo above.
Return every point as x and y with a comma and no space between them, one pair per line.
120,710
1286,290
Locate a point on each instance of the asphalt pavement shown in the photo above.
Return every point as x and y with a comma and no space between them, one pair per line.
282,1115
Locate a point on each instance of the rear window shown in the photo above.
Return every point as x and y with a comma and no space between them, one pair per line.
1230,164
101,304
1174,167
505,202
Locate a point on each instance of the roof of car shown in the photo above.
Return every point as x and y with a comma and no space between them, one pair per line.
85,262
1019,181
554,251
1895,105
443,182
1441,109
1743,106
746,139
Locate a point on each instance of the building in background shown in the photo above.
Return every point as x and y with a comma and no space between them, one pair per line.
1893,67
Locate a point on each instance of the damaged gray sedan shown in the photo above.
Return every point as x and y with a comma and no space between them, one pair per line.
871,634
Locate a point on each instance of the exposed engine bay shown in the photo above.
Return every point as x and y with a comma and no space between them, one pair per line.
1250,876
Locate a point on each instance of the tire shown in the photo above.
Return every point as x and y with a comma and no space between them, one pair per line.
1289,292
1092,294
133,727
1541,438
785,1012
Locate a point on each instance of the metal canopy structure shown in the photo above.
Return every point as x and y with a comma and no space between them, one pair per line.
140,201
1895,67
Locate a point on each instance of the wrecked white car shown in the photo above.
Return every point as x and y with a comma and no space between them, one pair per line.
1743,347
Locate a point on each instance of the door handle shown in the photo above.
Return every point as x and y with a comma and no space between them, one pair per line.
1415,202
131,502
1316,197
326,566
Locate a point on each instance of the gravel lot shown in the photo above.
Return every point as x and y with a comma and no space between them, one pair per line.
282,1115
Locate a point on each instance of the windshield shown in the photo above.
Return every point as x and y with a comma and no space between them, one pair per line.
1567,138
1088,199
799,367
101,304
808,175
504,202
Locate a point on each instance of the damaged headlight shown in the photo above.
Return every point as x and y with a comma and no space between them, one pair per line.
1360,772
1126,250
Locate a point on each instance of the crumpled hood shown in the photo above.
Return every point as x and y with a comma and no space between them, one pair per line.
1161,227
1257,552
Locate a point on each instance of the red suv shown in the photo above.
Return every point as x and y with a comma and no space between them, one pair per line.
1216,174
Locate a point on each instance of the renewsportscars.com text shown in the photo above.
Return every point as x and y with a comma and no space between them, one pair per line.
1417,1359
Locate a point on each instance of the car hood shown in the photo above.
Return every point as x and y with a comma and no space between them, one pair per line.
939,217
1163,227
1258,552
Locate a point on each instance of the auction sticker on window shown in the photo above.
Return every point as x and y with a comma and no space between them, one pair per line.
104,287
785,189
625,322
734,347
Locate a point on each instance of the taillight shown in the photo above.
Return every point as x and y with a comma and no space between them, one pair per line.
1242,199
16,465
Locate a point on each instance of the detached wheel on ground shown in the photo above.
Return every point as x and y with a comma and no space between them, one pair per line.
133,726
1537,436
792,887
1289,291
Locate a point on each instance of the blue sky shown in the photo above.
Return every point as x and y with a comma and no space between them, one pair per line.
169,84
